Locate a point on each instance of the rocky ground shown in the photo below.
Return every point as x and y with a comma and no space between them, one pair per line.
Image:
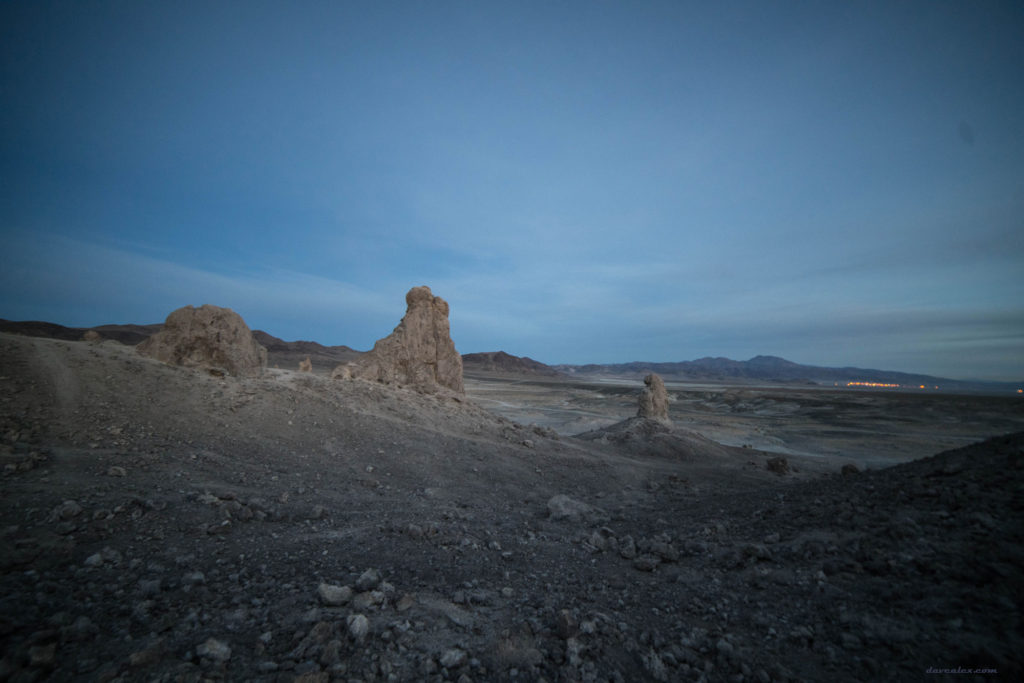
163,524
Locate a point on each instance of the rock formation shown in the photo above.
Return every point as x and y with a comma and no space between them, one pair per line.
211,337
418,353
92,336
306,365
344,371
654,399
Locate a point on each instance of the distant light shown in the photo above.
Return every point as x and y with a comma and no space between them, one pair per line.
873,384
1020,391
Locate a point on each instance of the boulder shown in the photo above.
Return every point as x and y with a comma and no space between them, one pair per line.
419,353
306,365
562,507
209,337
653,399
344,371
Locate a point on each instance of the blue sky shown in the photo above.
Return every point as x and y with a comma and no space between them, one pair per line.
837,184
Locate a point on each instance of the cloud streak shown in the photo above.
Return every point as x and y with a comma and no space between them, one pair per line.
534,311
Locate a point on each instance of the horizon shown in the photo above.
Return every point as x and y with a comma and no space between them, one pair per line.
839,185
606,362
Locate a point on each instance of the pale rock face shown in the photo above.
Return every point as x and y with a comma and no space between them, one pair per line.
419,352
210,337
306,365
654,399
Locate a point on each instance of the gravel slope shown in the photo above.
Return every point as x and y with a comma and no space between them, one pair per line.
161,524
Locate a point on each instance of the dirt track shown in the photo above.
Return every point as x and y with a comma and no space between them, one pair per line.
162,524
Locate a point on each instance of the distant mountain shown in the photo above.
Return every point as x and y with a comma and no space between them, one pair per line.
499,361
286,354
774,369
272,344
126,334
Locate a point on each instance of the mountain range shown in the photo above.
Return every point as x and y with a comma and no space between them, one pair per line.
775,369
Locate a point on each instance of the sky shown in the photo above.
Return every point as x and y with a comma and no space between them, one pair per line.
584,182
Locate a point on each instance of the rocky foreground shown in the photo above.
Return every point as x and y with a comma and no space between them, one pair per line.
162,524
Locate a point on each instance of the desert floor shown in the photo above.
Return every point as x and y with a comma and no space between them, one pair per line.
161,524
872,428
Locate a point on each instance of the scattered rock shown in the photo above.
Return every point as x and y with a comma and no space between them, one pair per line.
116,471
851,642
210,337
367,600
358,626
849,469
214,649
627,548
65,511
453,658
149,655
334,596
81,629
43,655
655,666
193,579
779,465
665,551
602,539
646,563
368,580
562,507
110,555
566,625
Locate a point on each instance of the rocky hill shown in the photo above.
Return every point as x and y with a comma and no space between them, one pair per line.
276,344
504,363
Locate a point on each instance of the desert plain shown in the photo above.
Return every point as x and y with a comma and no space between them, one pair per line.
166,523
